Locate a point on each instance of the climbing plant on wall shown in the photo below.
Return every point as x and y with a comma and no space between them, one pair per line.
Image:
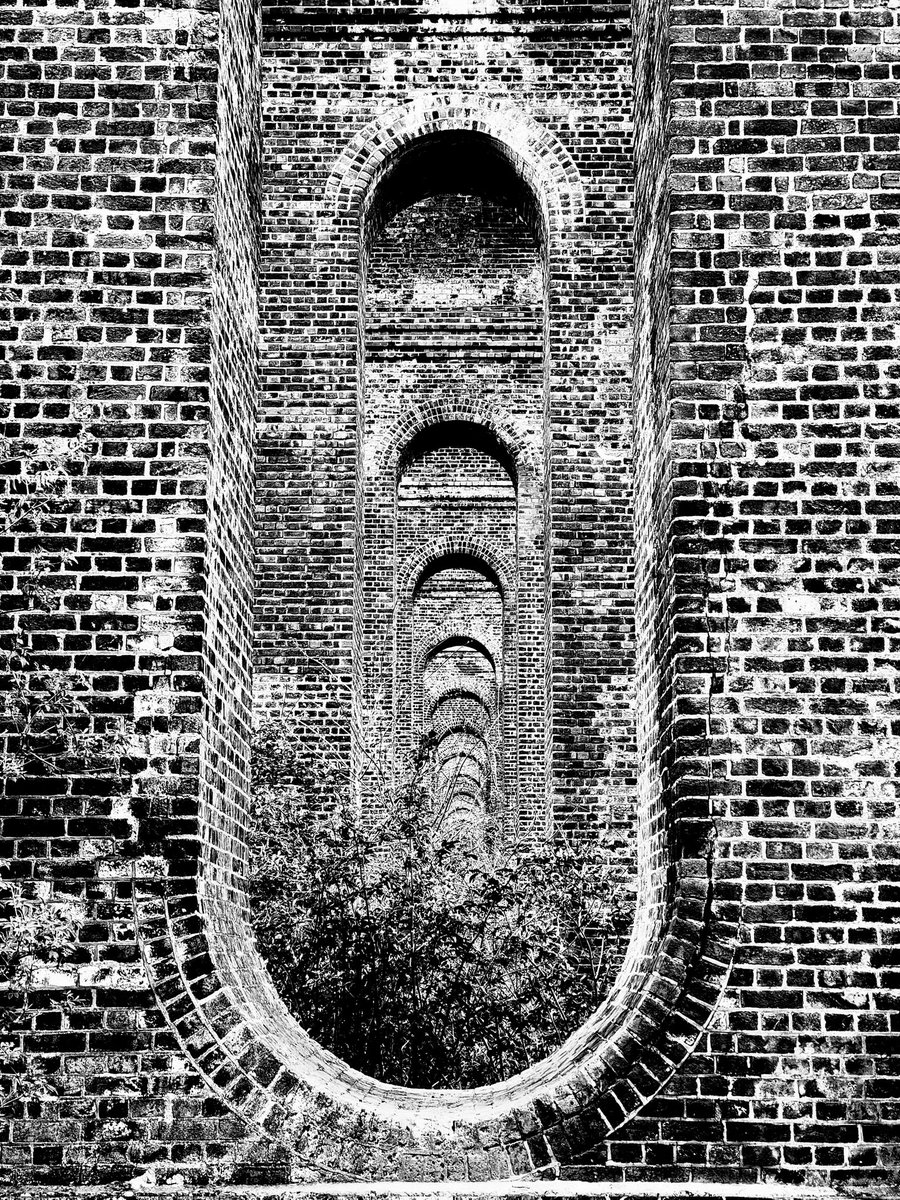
46,732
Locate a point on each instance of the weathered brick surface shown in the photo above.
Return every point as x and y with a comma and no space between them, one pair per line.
454,310
109,229
751,1035
783,334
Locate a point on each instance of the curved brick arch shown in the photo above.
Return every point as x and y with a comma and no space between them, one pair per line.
442,640
463,755
458,694
462,717
466,727
535,152
434,669
451,546
390,448
461,696
239,1035
234,1027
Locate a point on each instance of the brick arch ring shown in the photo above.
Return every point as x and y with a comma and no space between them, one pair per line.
534,151
459,695
333,1123
462,717
462,726
455,546
480,639
458,699
296,1098
390,448
450,631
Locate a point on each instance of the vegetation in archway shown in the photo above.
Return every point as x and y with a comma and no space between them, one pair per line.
417,951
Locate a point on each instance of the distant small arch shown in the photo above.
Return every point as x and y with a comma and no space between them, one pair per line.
457,695
480,630
479,723
462,727
459,562
393,447
471,435
470,643
455,549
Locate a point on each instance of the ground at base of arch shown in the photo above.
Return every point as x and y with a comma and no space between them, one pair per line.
550,1190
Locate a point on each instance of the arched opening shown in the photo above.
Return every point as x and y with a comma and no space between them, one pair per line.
464,701
459,637
462,720
453,312
453,163
463,780
228,1018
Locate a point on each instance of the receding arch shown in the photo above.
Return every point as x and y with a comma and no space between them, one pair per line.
464,728
456,663
456,563
434,436
462,695
439,170
461,639
431,164
390,448
446,631
458,716
455,549
535,152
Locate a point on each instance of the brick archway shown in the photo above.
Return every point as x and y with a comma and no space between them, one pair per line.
476,549
537,154
388,453
214,987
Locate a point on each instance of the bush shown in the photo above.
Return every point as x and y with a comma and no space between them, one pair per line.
415,953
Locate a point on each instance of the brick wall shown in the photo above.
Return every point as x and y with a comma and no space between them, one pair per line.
750,1035
108,242
784,135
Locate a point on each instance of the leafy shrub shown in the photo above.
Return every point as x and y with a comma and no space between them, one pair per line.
36,931
412,951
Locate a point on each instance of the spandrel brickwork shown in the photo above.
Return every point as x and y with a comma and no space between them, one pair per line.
709,199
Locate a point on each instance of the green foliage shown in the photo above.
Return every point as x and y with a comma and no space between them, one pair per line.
36,472
36,931
413,952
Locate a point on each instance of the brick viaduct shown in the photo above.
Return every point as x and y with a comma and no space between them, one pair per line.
587,464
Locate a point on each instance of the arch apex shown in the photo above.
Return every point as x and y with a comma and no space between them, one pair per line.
538,154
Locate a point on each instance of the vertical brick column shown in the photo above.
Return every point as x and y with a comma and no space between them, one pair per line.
783,330
126,261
